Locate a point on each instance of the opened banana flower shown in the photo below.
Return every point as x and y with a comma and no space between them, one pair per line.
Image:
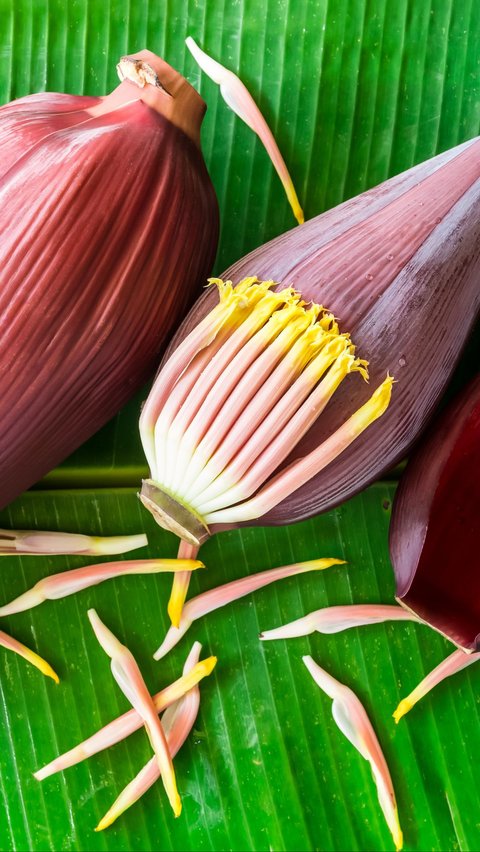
232,403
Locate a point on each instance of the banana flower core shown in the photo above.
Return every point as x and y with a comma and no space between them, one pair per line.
233,401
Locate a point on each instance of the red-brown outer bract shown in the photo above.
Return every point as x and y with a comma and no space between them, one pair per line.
108,227
399,266
435,533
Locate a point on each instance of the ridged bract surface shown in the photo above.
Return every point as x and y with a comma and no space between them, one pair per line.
400,267
108,227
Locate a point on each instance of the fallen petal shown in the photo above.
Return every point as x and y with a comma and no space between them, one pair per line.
239,99
352,719
229,592
181,582
334,619
13,645
68,582
177,721
127,723
454,663
33,543
129,678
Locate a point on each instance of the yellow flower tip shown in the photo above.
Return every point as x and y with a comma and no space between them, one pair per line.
177,807
322,564
397,834
41,665
197,564
175,608
403,708
209,665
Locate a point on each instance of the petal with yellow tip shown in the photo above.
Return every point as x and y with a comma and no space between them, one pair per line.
239,99
351,717
14,645
451,665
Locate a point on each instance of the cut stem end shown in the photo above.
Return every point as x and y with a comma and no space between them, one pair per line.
173,515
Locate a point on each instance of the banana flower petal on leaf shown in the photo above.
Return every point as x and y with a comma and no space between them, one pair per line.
129,678
69,582
215,598
127,723
36,543
239,99
451,665
177,722
351,717
334,619
12,644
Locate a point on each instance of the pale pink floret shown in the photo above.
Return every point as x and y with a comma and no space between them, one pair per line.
200,337
69,582
127,723
37,543
222,595
177,721
454,663
334,619
181,582
239,99
17,647
301,470
129,678
352,719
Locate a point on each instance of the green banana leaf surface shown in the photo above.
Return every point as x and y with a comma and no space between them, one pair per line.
355,91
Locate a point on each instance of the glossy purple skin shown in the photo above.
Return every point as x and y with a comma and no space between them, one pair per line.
399,266
108,227
435,530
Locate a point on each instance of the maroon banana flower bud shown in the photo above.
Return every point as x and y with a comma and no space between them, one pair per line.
434,532
398,266
108,225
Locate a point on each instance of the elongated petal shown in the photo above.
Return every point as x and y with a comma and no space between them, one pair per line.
454,663
352,719
128,676
303,469
127,723
181,582
222,595
68,582
33,543
177,721
334,619
14,645
239,99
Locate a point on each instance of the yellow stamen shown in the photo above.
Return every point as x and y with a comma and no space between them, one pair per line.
404,707
38,662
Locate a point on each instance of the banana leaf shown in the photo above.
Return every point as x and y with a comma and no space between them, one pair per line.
355,91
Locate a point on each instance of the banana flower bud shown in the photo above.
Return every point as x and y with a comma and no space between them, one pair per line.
69,582
435,532
108,227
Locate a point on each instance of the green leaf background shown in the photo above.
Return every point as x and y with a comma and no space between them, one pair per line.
355,91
